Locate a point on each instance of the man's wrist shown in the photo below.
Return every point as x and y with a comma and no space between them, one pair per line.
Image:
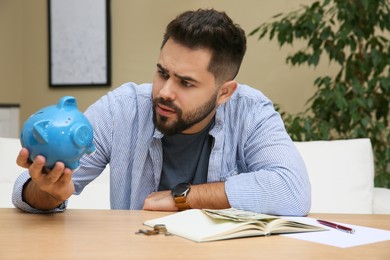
24,191
33,196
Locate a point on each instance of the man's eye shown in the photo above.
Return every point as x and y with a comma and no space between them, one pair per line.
186,83
163,74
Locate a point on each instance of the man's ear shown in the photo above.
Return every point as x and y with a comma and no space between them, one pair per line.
226,91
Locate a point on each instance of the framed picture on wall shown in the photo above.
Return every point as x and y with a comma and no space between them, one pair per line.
79,43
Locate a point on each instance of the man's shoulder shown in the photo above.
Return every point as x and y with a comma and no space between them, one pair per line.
136,97
133,89
247,93
245,101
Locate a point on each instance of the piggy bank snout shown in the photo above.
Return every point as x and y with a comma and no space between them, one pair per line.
82,137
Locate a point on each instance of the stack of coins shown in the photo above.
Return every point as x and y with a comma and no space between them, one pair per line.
157,229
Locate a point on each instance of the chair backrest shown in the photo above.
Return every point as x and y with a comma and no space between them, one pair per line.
9,170
96,195
341,174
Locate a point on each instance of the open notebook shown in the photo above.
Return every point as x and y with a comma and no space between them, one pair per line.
211,225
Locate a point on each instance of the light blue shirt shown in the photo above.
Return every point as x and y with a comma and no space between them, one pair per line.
252,153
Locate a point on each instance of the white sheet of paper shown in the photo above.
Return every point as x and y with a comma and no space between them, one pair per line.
337,238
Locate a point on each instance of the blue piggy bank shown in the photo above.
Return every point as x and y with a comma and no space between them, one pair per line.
59,133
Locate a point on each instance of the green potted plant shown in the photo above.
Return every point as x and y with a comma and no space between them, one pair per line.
355,103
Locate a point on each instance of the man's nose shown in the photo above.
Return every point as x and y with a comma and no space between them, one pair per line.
168,91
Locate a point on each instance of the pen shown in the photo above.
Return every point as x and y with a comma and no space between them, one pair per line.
336,226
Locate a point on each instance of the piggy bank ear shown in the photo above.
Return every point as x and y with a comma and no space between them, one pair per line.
39,131
67,102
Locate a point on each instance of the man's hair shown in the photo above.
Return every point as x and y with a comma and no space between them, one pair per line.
213,30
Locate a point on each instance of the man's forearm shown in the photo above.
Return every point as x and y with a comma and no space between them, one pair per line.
209,195
37,198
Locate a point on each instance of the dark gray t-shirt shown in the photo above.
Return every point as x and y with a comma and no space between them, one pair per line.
185,158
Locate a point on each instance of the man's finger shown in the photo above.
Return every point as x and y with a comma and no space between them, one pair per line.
22,159
37,167
56,173
66,177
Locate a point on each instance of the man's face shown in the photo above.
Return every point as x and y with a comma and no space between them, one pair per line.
184,92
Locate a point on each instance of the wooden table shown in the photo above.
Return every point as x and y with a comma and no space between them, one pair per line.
110,234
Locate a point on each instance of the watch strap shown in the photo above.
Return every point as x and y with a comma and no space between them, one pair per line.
181,203
179,194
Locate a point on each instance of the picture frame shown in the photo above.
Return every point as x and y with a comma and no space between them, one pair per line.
79,43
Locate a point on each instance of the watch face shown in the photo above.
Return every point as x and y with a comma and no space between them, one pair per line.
181,189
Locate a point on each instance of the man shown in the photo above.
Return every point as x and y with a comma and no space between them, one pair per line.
194,138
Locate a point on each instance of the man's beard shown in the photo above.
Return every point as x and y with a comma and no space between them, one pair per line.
184,121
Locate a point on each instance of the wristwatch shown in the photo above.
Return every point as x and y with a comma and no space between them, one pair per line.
179,194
